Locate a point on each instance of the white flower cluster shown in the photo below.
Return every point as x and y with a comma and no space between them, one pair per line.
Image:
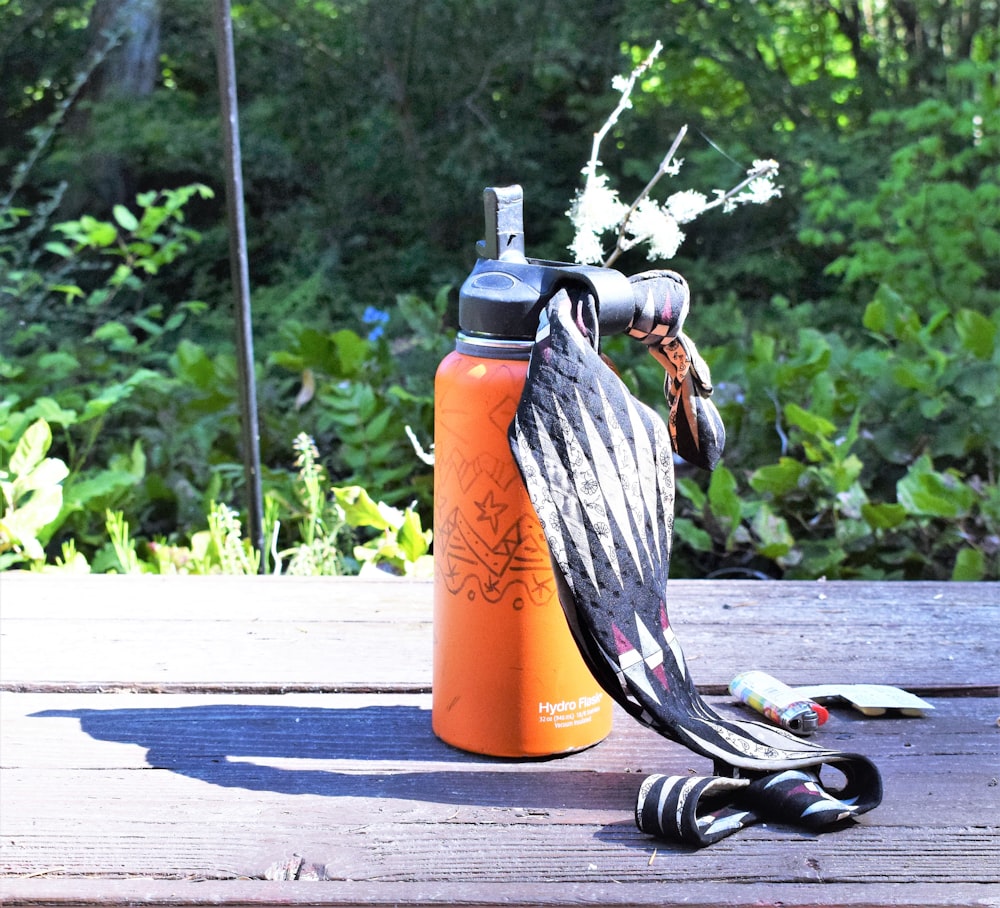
656,225
759,187
597,209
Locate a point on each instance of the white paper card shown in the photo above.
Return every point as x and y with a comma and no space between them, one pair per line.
871,699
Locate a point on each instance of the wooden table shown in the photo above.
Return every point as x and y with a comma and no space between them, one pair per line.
245,742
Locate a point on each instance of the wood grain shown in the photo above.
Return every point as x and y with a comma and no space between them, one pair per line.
338,634
219,788
207,793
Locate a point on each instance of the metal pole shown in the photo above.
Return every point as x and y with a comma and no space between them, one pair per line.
240,271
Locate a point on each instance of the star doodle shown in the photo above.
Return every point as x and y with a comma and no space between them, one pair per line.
490,510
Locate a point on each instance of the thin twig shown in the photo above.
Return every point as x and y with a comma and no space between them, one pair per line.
622,106
620,245
766,169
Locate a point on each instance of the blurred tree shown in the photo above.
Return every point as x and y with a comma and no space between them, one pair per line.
127,74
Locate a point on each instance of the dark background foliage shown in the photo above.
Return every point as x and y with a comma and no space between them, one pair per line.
851,324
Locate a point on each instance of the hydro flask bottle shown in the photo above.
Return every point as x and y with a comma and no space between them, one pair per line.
508,679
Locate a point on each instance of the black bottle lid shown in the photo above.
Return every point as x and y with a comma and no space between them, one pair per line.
505,292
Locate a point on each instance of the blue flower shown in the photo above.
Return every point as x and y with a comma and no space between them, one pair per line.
376,317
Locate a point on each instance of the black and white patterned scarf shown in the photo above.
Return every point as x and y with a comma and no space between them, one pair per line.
598,467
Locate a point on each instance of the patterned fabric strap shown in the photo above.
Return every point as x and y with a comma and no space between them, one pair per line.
700,810
598,468
662,302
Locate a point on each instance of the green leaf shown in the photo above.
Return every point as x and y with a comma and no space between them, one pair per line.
175,321
844,474
352,351
694,536
926,492
376,427
763,348
876,317
778,479
724,500
360,510
124,276
809,422
50,410
132,462
18,527
193,365
99,297
126,220
976,332
70,291
851,532
98,233
820,558
45,475
412,539
772,530
116,336
979,381
914,375
37,512
932,407
970,564
60,249
31,448
883,516
115,393
102,485
692,492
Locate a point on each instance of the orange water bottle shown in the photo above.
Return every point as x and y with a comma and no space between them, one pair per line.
509,680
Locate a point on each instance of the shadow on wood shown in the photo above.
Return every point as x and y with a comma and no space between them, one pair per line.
260,748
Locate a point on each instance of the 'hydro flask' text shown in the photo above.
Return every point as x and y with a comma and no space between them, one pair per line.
570,712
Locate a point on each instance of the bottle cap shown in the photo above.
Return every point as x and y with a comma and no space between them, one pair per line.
505,293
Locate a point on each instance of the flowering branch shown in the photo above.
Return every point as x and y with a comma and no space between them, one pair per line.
597,209
624,85
667,165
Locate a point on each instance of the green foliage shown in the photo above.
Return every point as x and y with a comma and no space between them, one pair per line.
320,544
361,393
852,325
403,545
92,270
147,417
79,342
122,545
220,549
326,522
863,440
32,496
883,457
929,233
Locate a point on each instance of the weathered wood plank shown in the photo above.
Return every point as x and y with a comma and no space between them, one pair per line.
189,799
417,853
219,632
90,731
474,894
221,788
274,634
243,837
